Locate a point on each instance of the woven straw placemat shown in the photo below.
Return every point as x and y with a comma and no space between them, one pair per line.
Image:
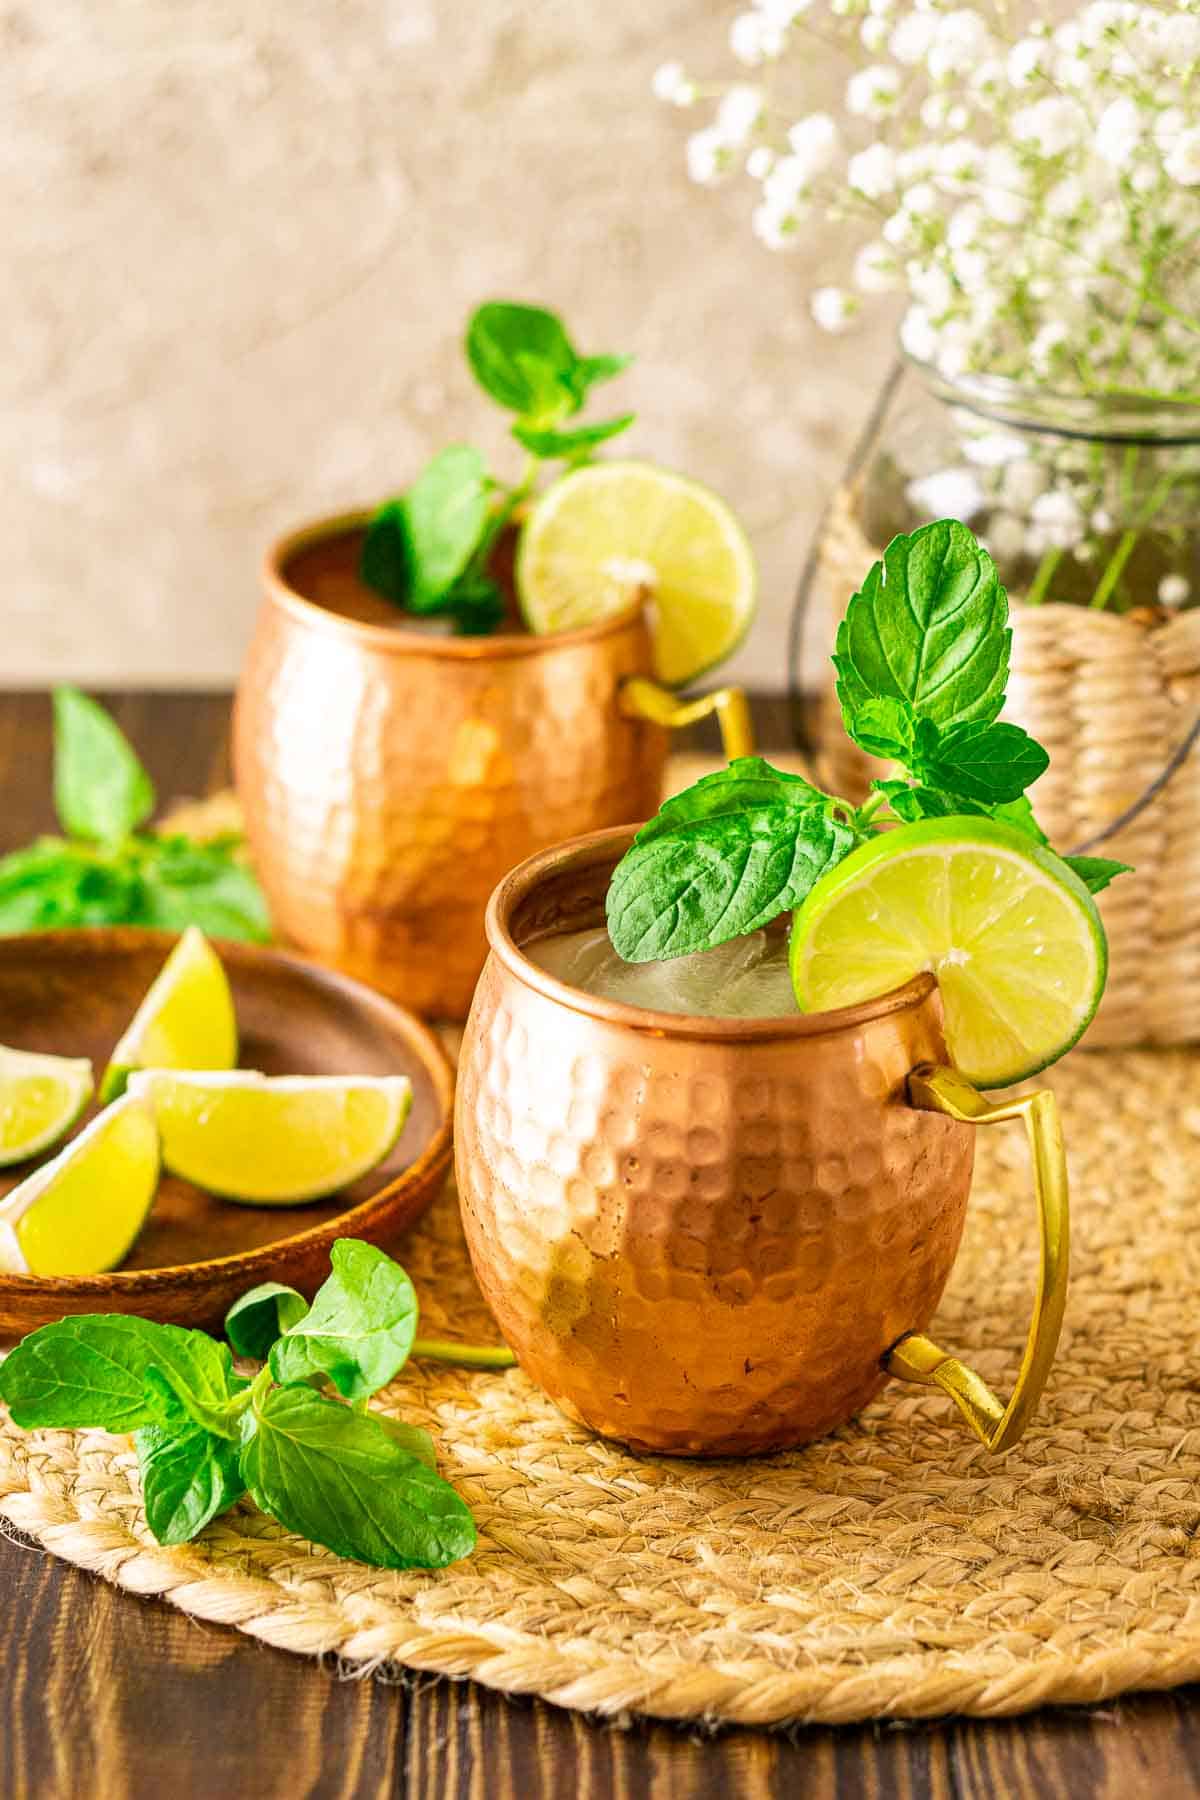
892,1570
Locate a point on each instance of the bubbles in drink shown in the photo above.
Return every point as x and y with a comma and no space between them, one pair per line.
746,978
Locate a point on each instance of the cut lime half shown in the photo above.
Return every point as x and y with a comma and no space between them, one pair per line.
602,535
1012,935
186,1020
274,1142
81,1212
40,1099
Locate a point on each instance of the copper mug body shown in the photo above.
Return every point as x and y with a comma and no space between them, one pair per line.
389,778
714,1237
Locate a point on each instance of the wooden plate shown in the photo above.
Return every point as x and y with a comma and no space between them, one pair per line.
73,993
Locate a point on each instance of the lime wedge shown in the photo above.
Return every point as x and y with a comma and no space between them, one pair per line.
1012,935
604,533
186,1020
274,1142
81,1212
40,1099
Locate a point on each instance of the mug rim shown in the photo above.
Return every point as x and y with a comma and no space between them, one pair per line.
592,848
394,640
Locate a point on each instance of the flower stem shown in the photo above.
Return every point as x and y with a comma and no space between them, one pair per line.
1114,568
465,1356
1043,578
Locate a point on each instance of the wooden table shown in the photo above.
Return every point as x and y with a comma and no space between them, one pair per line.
107,1697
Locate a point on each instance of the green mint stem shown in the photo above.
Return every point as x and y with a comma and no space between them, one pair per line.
504,512
1114,568
1043,578
465,1356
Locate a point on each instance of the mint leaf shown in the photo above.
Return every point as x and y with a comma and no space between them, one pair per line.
748,781
201,1386
1096,872
913,801
383,562
253,1323
91,1370
477,604
180,883
718,862
101,790
1019,814
40,886
522,357
444,513
546,441
985,761
411,1438
884,727
928,628
589,370
360,1328
335,1476
188,1477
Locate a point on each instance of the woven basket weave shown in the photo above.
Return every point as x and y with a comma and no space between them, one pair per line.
1110,697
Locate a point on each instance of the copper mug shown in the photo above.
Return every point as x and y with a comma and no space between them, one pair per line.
717,1236
390,777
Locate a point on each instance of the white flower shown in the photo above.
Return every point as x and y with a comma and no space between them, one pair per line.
760,162
961,42
917,334
740,110
1117,132
911,40
901,231
709,157
672,85
993,449
782,13
920,200
777,230
1173,590
786,181
930,286
873,171
755,39
832,308
871,92
814,141
1026,60
946,494
1001,193
1058,519
989,77
1004,537
1053,124
873,34
1046,342
1023,482
876,270
1183,162
1065,198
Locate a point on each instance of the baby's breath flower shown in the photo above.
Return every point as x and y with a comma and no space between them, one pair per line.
814,141
832,308
709,157
873,171
876,269
871,93
740,110
1183,160
1117,131
1173,590
672,85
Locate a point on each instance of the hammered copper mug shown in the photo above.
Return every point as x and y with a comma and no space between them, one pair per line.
389,777
722,1236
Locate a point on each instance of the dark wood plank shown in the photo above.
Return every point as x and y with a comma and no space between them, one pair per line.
107,1697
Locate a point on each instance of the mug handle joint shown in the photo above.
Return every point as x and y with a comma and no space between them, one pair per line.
916,1357
641,698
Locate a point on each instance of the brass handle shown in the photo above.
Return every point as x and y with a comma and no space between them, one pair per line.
916,1357
643,699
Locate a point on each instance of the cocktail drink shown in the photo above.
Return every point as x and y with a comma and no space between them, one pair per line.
442,686
717,1086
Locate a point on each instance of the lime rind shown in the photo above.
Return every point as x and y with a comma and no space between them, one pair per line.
186,1019
270,1148
987,910
81,1213
41,1098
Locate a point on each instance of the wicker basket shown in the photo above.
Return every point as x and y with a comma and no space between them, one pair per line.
1111,697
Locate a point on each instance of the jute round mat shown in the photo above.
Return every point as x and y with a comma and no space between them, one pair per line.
892,1570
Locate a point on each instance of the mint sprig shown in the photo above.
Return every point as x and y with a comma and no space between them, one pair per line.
428,550
362,1485
922,661
107,870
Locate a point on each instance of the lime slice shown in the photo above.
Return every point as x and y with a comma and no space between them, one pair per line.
274,1142
40,1099
186,1020
604,532
1012,935
81,1212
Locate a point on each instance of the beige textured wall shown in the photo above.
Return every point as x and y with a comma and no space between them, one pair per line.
241,236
